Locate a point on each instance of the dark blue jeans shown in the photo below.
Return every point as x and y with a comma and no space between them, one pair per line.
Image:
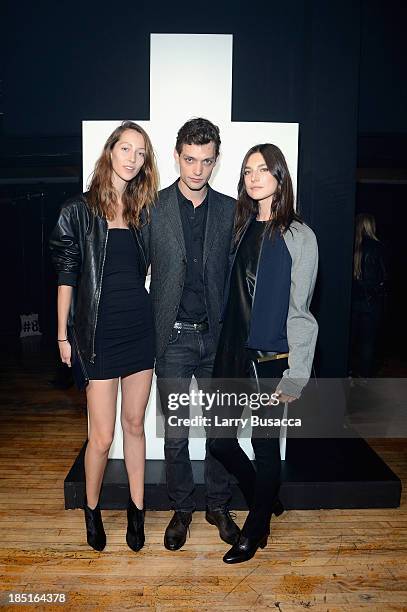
189,353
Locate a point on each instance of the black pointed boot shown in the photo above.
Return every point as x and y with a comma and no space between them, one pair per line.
278,507
135,527
245,548
95,532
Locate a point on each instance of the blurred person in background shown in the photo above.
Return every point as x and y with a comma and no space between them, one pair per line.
368,296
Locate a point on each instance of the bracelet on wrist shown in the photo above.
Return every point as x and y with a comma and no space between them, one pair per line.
64,340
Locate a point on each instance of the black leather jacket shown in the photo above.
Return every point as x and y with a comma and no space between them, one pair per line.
78,247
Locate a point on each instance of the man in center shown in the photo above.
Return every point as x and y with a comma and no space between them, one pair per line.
188,240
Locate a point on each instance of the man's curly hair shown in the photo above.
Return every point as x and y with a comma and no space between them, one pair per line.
198,131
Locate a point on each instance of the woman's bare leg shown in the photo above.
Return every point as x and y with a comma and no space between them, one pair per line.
135,393
101,397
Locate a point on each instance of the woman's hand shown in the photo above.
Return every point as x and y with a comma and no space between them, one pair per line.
65,352
282,397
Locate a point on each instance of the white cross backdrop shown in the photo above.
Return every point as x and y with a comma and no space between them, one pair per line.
190,76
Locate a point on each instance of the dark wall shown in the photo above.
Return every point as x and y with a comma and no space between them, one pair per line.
328,167
293,61
29,212
64,66
383,67
62,63
387,202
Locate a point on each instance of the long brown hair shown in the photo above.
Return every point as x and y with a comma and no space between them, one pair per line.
365,225
282,207
140,192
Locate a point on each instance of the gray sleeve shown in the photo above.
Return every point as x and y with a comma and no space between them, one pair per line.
302,328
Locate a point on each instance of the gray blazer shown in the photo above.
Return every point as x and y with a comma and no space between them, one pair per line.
165,248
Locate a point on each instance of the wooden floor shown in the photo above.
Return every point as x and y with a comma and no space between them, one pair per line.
315,560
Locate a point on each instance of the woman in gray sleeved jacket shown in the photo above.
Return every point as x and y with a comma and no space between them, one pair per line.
268,330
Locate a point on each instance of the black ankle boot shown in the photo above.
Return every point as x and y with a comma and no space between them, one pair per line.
135,527
245,548
95,532
278,508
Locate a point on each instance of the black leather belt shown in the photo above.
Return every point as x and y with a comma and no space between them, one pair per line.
201,327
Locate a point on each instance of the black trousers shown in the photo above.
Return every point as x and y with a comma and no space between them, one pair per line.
260,484
189,353
366,319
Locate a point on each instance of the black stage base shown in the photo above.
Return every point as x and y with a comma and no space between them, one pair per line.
331,473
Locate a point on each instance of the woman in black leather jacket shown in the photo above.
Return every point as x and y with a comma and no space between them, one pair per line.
104,313
268,332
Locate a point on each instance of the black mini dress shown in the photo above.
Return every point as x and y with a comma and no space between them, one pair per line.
124,341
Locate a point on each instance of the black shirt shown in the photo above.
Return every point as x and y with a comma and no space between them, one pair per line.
192,308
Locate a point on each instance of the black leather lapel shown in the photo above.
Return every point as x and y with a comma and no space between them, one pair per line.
235,247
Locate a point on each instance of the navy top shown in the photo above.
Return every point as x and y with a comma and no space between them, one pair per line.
268,331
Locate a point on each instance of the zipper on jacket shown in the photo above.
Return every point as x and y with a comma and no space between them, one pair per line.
79,354
92,359
141,249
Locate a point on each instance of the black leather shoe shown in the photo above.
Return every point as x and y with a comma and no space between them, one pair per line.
244,549
278,508
228,530
95,532
135,527
176,532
